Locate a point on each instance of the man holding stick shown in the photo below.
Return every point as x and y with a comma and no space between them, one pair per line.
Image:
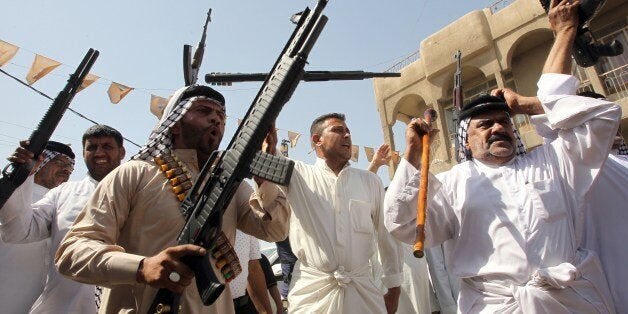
511,217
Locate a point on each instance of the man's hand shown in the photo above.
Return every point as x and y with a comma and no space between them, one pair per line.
391,299
519,104
563,16
22,155
382,157
414,144
268,146
156,270
270,141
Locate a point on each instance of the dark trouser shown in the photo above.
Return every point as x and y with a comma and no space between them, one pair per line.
287,260
243,305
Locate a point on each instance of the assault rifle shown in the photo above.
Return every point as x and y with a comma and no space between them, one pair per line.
13,175
192,62
308,76
586,51
458,96
222,174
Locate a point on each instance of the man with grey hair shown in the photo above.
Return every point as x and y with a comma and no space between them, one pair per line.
124,239
22,221
512,217
24,265
602,228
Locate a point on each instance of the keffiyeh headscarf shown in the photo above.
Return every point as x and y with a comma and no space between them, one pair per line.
482,104
623,148
53,150
465,154
160,141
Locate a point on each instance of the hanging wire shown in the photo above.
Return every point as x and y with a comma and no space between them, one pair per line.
72,110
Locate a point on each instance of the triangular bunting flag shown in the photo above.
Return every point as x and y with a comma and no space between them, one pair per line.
355,153
294,137
41,66
7,51
88,80
157,105
117,92
370,152
395,157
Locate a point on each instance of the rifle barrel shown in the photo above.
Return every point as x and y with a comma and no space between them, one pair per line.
308,76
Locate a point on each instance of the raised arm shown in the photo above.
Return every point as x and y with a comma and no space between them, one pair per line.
382,157
563,18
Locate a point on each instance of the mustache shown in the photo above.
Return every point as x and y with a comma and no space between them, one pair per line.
499,137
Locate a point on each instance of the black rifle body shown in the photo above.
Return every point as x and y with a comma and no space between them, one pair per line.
308,76
13,175
221,175
586,51
458,96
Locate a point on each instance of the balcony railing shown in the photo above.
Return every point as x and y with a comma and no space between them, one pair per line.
616,82
403,63
500,5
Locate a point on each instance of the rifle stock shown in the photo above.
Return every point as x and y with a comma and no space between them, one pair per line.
13,175
222,175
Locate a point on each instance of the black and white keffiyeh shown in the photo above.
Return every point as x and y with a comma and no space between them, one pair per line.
623,148
50,155
160,141
463,129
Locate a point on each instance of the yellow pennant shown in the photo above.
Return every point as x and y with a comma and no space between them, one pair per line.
355,153
7,51
158,105
88,80
117,92
370,152
293,137
40,67
395,157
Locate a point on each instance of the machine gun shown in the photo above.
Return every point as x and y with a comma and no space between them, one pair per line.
13,175
192,63
308,76
221,175
458,97
586,51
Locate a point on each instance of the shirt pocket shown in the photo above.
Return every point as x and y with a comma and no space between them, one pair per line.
546,202
361,220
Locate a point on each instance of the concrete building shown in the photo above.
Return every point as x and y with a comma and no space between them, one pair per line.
502,46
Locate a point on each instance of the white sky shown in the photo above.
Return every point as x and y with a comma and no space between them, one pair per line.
140,44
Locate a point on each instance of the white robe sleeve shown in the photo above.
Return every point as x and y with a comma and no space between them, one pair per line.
23,222
390,250
400,205
585,128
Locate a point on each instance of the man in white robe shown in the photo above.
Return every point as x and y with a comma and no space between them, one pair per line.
25,265
337,215
512,218
605,216
21,221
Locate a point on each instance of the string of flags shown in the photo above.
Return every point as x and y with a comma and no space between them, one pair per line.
293,137
43,65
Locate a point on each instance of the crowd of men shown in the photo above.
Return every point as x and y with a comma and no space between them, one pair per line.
519,231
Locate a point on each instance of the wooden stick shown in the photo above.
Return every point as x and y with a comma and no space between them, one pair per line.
419,242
